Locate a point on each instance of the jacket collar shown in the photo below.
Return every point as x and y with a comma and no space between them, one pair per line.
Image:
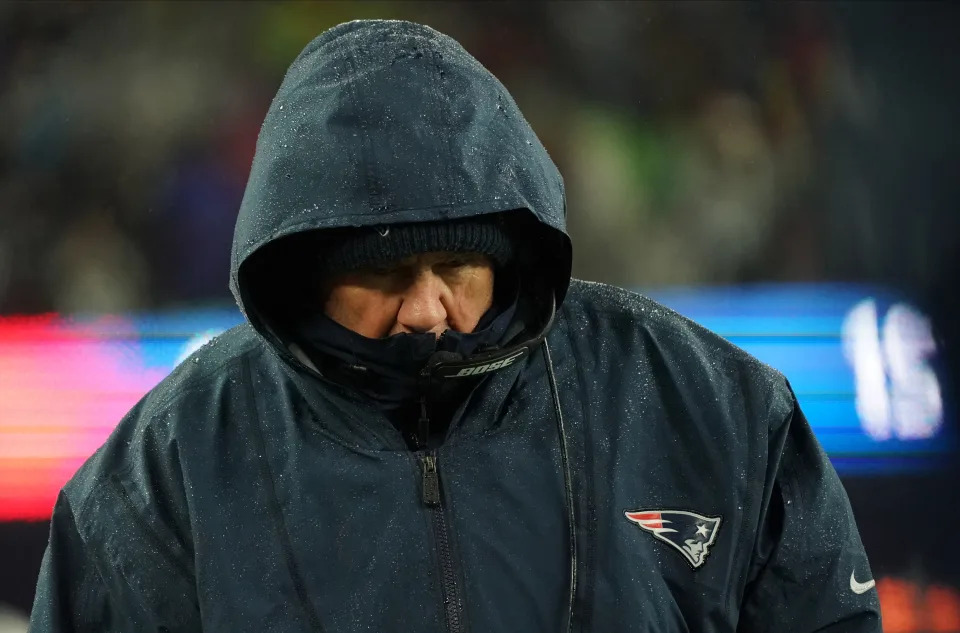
390,371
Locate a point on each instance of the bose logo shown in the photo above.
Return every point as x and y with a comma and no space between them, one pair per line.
482,369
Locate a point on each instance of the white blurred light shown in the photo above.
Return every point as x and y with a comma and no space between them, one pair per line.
897,392
914,391
196,342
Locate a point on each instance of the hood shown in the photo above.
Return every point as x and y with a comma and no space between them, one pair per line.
379,122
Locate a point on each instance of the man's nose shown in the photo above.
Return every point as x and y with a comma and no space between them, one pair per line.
422,308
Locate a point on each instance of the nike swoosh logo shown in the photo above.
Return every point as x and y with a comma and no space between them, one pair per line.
861,587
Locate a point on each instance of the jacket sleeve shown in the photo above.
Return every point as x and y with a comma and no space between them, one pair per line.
71,596
111,568
810,572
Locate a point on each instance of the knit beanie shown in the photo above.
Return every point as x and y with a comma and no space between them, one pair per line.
375,246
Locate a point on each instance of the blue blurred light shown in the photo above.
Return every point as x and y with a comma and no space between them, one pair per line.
858,357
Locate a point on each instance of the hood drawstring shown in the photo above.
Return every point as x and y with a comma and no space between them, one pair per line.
567,482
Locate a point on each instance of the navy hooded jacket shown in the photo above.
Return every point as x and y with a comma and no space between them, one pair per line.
618,469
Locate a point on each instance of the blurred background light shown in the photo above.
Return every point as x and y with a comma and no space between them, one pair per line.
873,401
782,173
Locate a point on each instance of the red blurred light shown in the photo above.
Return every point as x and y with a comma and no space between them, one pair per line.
909,607
62,391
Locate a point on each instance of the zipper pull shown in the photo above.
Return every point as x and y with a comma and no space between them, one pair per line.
431,480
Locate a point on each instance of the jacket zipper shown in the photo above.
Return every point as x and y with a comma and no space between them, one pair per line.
452,607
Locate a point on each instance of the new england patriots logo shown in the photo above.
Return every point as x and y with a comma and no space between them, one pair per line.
689,533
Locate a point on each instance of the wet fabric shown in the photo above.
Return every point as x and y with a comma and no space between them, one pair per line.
248,492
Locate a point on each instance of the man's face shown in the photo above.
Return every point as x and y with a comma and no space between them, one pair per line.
428,292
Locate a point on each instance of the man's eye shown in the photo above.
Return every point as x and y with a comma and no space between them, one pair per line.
378,271
457,262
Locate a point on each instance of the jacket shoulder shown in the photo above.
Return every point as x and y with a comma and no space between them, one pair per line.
207,365
129,504
636,325
604,302
184,399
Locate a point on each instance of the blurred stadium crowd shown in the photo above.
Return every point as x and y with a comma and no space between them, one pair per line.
701,142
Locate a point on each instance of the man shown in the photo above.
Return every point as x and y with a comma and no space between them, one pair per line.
426,426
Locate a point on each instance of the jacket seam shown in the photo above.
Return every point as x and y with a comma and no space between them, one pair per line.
447,120
100,582
752,560
196,384
273,507
374,192
762,564
316,423
318,427
586,587
179,562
